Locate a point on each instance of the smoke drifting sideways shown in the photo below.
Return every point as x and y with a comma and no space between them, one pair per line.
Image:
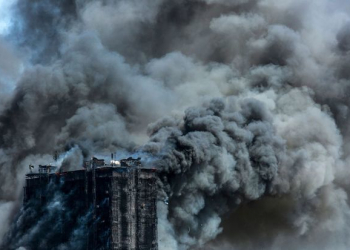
242,105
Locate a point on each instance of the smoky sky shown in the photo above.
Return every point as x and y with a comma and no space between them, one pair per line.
242,105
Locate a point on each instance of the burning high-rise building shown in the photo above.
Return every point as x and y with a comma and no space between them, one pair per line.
118,202
242,106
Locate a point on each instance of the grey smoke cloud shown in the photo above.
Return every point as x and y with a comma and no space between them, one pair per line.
245,103
10,67
216,159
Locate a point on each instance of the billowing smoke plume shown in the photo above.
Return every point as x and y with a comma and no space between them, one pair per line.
216,159
242,105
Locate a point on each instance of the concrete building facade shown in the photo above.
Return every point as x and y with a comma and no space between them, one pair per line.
121,198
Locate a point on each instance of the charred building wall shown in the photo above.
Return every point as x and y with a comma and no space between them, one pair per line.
120,200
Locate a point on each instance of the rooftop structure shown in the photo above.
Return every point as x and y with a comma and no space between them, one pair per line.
121,197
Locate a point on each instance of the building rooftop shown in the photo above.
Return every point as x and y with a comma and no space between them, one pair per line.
94,163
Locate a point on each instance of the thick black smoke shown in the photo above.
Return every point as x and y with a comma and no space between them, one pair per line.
246,105
215,159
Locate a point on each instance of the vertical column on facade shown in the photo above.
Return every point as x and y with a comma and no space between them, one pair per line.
146,211
116,215
154,212
132,209
86,180
140,211
86,183
94,239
